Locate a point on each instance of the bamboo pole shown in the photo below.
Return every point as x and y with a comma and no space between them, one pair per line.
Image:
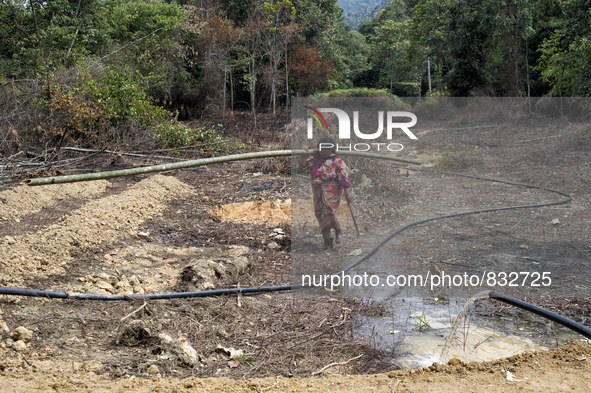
195,163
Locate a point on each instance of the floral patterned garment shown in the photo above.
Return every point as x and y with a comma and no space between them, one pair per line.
330,169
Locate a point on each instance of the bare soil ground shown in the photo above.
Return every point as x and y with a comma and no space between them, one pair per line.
149,234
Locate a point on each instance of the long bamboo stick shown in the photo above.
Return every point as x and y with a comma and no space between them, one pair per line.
194,163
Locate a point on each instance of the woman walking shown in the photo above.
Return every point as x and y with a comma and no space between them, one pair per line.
330,180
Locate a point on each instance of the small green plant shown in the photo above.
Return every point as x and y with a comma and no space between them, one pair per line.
176,134
173,133
247,359
421,321
210,135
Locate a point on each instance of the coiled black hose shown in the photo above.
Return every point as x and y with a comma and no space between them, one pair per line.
230,291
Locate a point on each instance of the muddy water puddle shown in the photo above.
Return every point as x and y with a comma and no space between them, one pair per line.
416,330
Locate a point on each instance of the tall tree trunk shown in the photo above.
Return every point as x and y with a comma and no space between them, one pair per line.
287,103
224,99
275,64
429,74
560,91
35,19
231,92
77,29
252,92
391,72
527,78
273,93
439,74
516,47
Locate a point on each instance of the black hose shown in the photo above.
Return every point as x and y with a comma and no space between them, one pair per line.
412,224
569,323
150,296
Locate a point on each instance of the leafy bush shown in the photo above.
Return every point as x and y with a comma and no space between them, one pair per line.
119,96
69,112
114,97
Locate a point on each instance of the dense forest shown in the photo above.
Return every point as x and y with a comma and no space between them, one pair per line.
96,62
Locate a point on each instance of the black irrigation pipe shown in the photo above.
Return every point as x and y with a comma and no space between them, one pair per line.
412,224
569,323
230,291
150,296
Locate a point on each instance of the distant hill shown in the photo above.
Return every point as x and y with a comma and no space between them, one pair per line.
357,11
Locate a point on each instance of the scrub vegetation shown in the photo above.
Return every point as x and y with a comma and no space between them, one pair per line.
119,72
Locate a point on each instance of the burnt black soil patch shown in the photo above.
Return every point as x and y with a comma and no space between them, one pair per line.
258,187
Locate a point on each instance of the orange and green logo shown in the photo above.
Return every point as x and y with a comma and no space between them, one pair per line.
317,115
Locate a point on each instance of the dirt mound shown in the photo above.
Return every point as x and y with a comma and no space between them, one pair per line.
23,200
148,268
166,345
227,265
46,252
